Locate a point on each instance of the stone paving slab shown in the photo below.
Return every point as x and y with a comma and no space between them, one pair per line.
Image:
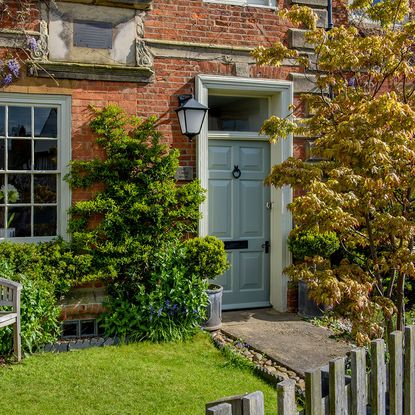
285,337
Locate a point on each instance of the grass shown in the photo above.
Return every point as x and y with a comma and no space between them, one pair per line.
139,379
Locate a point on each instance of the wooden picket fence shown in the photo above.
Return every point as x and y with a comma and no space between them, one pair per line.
386,389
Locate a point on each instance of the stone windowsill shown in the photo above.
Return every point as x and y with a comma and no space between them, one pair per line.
94,72
130,4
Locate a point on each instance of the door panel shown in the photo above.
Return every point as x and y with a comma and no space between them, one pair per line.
251,218
220,200
238,212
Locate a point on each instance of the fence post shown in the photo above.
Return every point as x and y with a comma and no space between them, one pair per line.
221,409
337,387
378,377
313,394
409,371
286,404
359,394
253,404
395,373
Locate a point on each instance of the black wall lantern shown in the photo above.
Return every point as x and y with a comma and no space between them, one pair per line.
191,114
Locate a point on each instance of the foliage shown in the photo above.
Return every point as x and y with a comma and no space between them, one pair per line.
46,271
39,312
140,207
206,257
54,262
170,306
363,120
310,244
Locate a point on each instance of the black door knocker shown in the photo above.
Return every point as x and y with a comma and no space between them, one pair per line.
236,172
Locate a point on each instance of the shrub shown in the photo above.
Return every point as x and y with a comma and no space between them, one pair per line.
170,306
143,215
206,257
39,312
54,262
140,207
310,244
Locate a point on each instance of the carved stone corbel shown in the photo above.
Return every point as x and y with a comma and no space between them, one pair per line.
41,52
142,53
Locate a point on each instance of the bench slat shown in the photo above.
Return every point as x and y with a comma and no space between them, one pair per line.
7,318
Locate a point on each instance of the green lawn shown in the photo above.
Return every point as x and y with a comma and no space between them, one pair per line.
141,378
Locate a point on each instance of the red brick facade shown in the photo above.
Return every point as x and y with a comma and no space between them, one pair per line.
189,21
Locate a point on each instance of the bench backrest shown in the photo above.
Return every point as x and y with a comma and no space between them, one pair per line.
9,293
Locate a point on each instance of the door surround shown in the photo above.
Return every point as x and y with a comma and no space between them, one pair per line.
281,96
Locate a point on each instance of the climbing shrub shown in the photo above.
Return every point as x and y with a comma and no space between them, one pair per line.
140,207
133,228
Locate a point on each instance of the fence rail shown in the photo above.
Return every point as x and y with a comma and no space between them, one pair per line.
388,388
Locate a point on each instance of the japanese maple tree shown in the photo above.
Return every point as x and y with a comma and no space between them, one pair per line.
363,187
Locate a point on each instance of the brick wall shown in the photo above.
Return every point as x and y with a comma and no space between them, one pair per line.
196,21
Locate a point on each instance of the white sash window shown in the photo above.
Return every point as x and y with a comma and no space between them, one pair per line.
34,156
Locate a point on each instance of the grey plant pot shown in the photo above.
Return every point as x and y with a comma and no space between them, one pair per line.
214,308
306,306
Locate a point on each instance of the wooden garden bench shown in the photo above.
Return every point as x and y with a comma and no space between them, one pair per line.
10,297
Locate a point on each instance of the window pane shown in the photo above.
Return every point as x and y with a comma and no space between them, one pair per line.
2,121
46,123
19,221
20,121
2,222
18,188
2,152
19,154
44,221
87,327
45,188
237,113
46,155
1,190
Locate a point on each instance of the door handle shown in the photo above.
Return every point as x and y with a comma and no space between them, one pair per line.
266,246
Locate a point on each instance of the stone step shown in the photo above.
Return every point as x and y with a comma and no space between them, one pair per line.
296,40
310,3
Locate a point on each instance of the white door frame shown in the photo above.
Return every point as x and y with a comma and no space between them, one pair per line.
281,96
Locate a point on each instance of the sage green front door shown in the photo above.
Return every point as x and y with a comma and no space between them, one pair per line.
239,215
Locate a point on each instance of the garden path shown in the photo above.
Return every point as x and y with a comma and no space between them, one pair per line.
286,338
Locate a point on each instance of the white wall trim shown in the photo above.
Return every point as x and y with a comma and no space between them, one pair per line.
64,105
281,96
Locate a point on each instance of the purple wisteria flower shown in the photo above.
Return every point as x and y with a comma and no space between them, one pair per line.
32,43
7,80
14,67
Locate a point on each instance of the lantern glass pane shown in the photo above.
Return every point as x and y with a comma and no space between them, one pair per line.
182,121
194,120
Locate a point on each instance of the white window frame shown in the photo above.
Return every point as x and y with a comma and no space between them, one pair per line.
280,94
245,3
63,104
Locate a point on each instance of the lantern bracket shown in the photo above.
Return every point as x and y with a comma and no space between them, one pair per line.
184,98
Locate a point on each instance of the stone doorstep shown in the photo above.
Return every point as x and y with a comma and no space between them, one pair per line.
274,371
